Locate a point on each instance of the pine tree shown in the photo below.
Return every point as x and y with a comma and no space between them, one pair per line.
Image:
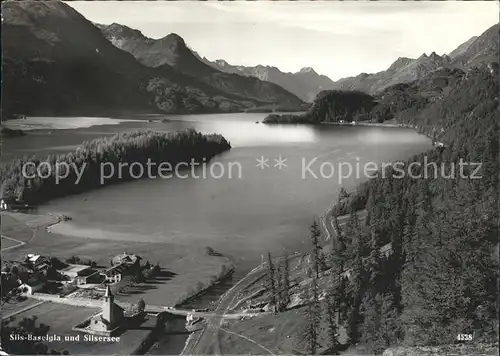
332,323
316,248
286,281
371,328
271,277
338,254
279,288
357,285
390,325
313,317
310,331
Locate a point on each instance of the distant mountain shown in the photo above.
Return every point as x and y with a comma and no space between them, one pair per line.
405,70
171,50
306,83
55,62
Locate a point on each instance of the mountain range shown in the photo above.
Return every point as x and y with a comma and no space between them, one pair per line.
171,50
56,62
476,50
306,83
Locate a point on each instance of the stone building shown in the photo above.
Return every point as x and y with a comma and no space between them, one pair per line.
111,317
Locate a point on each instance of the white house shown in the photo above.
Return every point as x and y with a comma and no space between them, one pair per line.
30,288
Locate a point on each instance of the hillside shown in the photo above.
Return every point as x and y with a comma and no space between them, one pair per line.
405,70
478,49
306,83
443,230
414,259
330,106
404,99
171,50
58,63
55,61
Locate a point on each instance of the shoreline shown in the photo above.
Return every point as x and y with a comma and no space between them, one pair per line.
230,261
200,294
34,123
374,124
43,222
194,338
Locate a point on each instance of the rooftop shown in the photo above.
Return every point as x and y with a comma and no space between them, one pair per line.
74,268
117,268
125,257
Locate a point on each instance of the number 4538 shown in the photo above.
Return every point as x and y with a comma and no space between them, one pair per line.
464,337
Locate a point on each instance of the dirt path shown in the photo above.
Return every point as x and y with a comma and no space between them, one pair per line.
248,339
19,243
209,337
31,224
29,307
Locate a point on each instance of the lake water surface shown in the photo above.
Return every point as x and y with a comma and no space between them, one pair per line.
254,211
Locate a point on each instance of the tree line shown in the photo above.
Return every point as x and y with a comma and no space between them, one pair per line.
279,282
331,106
441,277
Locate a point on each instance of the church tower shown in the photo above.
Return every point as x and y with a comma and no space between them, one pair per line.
107,308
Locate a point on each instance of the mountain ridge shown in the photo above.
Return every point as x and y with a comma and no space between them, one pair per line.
305,83
56,62
405,70
172,50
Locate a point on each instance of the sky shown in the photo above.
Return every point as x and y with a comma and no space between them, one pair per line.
335,38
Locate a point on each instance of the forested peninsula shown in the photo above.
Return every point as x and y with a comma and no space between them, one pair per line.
87,162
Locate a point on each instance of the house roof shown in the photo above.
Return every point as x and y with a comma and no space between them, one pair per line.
116,269
33,281
126,258
74,268
43,265
32,257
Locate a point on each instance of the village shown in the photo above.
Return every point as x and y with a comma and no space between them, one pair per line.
82,293
38,274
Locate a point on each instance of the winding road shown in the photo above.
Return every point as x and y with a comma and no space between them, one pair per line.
208,341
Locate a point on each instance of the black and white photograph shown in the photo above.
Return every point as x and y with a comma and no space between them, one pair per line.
250,178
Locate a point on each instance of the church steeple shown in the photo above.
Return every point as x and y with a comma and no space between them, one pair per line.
107,308
108,294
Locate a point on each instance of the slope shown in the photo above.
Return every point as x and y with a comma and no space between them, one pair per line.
172,50
55,62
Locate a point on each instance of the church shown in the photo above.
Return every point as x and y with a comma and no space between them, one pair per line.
111,317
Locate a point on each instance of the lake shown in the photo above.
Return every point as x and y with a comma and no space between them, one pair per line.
256,210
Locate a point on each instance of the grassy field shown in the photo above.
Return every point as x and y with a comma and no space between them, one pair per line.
281,333
13,306
61,318
14,225
189,268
